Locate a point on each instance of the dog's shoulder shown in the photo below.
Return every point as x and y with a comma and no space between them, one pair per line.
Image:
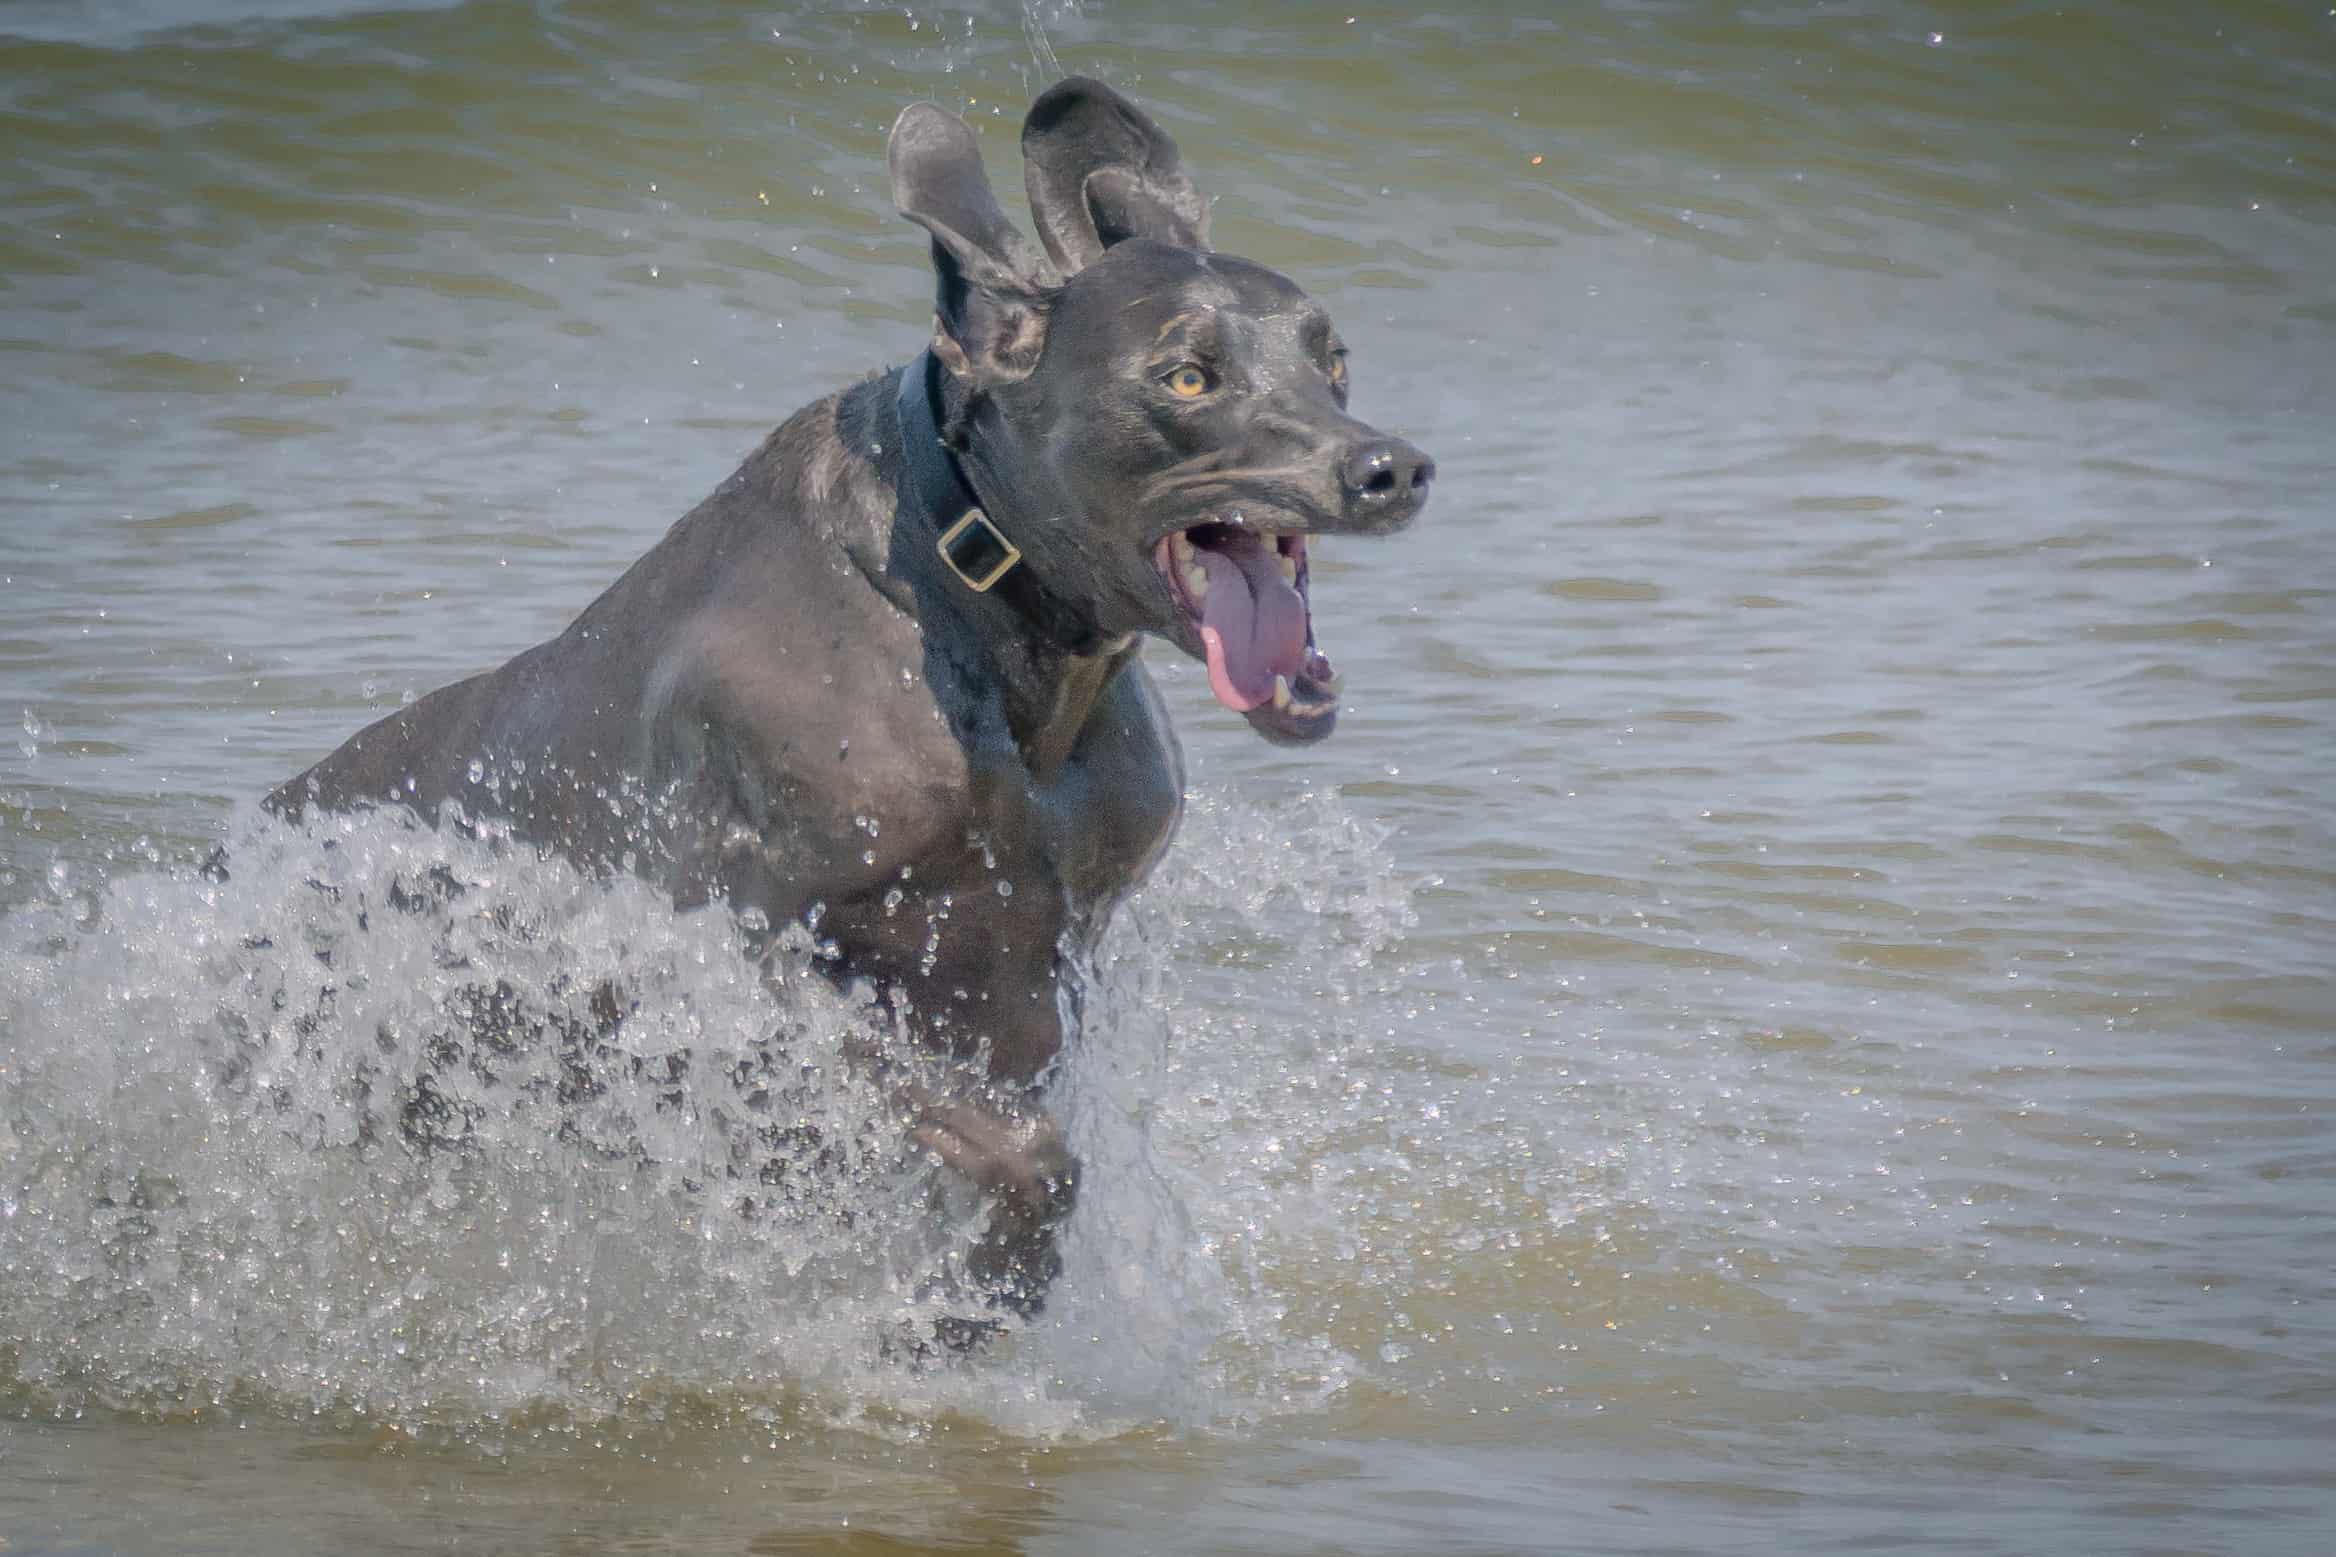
818,722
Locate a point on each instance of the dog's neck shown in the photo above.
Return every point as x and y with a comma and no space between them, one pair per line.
1051,661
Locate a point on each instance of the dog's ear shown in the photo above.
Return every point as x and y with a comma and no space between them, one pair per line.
991,311
1099,170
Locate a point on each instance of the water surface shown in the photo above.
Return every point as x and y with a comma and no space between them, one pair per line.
1794,1011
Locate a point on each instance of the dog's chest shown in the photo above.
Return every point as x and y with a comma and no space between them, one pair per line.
1097,832
1021,868
1092,826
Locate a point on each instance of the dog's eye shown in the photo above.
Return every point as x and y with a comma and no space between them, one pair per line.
1188,379
1338,368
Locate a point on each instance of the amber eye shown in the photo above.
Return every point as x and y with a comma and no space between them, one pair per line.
1338,369
1188,380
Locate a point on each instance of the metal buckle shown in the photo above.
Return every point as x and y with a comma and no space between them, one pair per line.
974,534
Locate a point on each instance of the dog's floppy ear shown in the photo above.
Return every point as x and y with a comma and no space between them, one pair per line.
1099,170
991,311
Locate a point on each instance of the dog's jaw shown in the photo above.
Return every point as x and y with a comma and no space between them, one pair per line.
1240,604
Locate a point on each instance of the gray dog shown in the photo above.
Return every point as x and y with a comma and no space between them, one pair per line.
895,656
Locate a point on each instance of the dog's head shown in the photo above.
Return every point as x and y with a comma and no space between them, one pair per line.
1160,427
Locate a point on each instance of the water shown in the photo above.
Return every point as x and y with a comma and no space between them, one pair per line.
1793,1011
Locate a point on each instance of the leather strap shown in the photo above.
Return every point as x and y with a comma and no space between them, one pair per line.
972,545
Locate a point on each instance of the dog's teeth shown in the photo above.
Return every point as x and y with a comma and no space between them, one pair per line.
1289,567
1281,692
1196,580
1180,548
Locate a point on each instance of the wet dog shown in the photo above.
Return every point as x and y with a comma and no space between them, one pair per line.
888,674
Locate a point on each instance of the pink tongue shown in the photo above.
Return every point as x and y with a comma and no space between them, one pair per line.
1252,624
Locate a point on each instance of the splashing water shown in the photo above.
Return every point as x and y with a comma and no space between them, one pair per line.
1034,31
354,1128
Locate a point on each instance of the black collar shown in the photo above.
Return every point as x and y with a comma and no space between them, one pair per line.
971,545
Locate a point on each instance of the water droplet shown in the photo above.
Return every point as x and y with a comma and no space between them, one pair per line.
1005,889
477,771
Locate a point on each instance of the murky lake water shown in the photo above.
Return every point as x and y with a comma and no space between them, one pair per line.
1794,1013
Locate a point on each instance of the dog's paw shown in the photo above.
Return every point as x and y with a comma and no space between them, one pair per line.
1022,1161
1021,1158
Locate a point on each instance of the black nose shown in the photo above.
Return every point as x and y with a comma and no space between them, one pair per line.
1386,480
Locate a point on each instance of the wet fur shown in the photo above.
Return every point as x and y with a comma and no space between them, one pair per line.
791,661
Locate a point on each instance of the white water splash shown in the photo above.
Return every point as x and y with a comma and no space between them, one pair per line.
1034,30
210,1188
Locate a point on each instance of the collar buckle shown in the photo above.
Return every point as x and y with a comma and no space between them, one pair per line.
978,552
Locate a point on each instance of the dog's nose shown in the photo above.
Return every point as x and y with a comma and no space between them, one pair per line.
1386,480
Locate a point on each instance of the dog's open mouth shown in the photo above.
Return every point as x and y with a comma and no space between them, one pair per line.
1244,593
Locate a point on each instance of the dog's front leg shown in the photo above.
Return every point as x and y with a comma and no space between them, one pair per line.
1019,1157
998,1138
